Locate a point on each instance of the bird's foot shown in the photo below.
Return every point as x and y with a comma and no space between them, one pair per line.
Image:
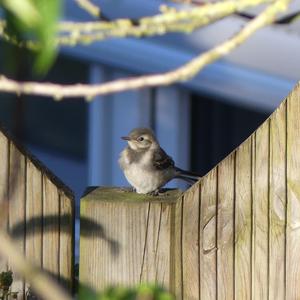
128,190
155,193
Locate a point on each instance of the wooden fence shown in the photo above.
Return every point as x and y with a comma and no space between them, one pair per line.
38,215
233,235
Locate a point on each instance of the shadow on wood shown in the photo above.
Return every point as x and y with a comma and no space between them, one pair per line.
139,224
35,206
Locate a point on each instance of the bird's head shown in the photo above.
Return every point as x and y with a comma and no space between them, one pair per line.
140,139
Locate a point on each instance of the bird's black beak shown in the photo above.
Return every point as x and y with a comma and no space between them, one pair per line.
126,138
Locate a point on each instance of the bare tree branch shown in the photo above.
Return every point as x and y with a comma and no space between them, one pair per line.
170,20
41,283
89,7
185,72
288,19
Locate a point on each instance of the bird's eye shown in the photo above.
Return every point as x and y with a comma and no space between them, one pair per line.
140,139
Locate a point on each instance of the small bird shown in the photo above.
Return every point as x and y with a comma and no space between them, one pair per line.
146,165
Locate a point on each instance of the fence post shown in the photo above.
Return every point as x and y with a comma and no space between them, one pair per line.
127,238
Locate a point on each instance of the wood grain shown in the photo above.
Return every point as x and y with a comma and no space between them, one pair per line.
176,281
34,214
51,227
225,231
17,200
125,242
243,221
260,210
293,196
66,240
190,242
4,163
208,238
156,257
277,203
38,219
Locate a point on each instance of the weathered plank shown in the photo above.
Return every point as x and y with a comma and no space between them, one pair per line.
243,222
208,238
277,203
34,213
66,240
51,227
190,242
17,198
293,196
156,255
225,233
260,210
4,159
112,244
125,238
176,281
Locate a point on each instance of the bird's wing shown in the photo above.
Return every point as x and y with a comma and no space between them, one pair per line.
162,160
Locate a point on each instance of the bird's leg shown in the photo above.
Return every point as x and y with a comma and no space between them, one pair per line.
128,190
154,193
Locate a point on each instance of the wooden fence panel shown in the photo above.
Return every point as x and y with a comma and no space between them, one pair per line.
50,227
176,267
293,197
208,237
233,235
190,243
4,163
225,229
277,204
17,204
260,212
38,212
34,214
156,253
243,221
66,240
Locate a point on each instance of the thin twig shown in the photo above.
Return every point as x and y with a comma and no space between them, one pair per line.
288,19
185,72
89,7
170,20
41,283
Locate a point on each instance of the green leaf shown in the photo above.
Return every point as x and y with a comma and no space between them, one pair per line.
86,293
36,20
46,33
24,10
141,292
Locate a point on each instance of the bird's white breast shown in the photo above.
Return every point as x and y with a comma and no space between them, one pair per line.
141,176
142,180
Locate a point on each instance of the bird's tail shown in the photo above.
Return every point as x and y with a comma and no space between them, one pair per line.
189,177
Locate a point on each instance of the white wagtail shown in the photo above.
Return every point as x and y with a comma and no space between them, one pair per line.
146,165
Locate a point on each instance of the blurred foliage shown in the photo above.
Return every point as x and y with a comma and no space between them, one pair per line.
36,19
141,292
6,280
